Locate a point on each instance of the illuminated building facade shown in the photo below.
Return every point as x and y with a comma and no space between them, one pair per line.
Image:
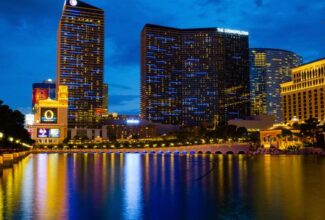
194,76
80,61
272,137
42,91
304,96
161,71
268,69
51,119
105,94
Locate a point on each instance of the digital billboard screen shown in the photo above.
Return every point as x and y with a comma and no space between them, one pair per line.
48,133
49,115
40,94
54,133
43,132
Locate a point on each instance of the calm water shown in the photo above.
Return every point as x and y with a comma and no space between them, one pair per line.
134,186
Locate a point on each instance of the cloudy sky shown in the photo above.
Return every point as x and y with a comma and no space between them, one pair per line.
28,37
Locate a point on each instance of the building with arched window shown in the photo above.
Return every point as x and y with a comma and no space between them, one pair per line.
304,96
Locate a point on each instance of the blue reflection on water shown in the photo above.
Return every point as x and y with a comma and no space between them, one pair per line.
132,181
146,186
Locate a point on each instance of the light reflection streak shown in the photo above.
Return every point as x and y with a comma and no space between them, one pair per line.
163,173
1,197
276,186
41,182
132,182
221,176
27,188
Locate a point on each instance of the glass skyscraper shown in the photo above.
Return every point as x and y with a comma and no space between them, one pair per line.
80,61
268,69
194,76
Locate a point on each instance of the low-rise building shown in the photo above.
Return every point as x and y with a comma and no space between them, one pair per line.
123,127
280,136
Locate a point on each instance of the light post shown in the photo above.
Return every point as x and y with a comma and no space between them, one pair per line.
1,135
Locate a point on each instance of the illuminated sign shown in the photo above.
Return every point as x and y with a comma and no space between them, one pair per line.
49,115
54,133
29,119
48,133
230,31
132,121
39,94
43,132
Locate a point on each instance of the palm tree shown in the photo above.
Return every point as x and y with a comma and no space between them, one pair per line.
286,133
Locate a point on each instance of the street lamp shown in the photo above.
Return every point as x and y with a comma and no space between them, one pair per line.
1,135
11,139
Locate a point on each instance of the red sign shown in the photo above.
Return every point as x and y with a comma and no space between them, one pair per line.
39,94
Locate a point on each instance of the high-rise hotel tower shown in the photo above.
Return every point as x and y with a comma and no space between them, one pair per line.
304,96
80,61
268,69
194,76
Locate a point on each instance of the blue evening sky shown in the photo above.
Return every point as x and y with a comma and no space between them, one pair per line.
28,37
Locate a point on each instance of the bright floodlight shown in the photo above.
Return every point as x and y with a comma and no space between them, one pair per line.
132,121
73,2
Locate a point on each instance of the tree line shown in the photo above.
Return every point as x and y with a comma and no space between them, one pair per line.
12,125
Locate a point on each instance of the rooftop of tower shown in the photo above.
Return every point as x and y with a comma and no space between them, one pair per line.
223,30
271,49
81,4
310,62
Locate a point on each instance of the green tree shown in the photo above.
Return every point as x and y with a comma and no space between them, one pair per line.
12,125
309,129
285,134
241,132
112,137
254,137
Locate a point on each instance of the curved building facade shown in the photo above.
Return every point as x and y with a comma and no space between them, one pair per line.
268,69
194,76
304,96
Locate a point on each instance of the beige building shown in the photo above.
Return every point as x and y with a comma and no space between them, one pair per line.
303,97
273,137
51,119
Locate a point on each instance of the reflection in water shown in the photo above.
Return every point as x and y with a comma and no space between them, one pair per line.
138,186
132,197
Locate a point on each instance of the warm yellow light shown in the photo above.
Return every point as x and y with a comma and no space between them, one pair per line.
11,139
1,135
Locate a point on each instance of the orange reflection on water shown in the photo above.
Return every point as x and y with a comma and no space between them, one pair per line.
11,188
54,186
51,186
